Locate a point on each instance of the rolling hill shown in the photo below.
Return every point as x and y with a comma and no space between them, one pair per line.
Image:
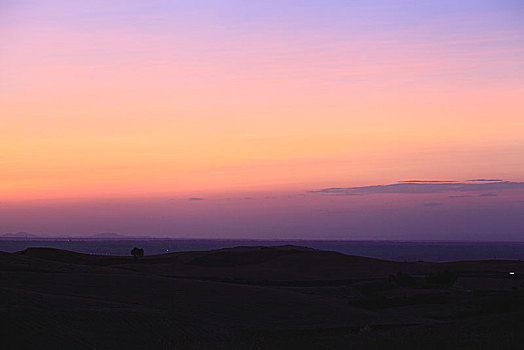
255,298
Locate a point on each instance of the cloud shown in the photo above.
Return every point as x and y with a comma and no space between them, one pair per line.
485,180
461,196
195,199
487,195
423,187
432,204
427,181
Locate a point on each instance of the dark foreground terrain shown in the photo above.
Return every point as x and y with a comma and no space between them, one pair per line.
284,297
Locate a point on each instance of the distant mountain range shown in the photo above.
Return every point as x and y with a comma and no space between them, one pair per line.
112,235
108,235
103,235
19,235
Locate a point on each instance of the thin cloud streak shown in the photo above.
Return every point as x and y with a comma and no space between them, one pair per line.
432,204
485,180
427,181
423,187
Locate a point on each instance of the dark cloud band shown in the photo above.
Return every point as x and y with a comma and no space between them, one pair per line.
423,187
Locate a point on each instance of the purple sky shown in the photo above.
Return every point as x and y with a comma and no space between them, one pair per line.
327,119
457,211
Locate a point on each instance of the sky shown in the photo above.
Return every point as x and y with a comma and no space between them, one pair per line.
263,119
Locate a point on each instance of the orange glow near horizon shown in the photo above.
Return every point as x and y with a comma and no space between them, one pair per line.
110,110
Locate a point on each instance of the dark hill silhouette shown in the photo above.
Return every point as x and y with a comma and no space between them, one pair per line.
279,263
66,256
245,255
282,297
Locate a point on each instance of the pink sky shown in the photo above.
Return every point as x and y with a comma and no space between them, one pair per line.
130,102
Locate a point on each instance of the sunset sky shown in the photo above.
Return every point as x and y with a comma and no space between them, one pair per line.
238,118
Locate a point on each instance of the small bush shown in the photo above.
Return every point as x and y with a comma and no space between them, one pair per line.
137,252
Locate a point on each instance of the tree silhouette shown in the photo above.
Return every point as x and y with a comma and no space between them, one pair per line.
137,252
